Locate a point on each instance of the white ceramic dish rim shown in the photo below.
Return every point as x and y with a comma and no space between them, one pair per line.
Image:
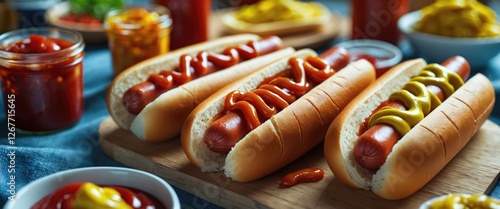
408,20
96,172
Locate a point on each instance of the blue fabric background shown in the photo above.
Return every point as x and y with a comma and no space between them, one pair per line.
78,146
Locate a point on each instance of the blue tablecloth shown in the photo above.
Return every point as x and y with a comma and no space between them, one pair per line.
78,146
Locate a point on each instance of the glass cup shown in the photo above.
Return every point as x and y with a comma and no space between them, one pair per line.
191,19
136,33
377,19
41,77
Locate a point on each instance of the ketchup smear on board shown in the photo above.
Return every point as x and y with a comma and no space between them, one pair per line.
46,81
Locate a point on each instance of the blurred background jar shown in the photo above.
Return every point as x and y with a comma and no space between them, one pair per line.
136,33
41,77
31,13
377,19
190,21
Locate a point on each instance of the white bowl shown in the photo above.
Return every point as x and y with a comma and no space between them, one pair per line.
36,190
434,48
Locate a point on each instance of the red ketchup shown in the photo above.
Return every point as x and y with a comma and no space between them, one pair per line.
66,196
190,21
301,176
42,77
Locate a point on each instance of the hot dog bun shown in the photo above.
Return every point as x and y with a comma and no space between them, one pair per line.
285,136
420,154
162,119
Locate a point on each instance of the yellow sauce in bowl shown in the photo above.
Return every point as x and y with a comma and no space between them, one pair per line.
278,10
465,201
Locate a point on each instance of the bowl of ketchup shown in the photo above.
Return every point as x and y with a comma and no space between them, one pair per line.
97,187
382,55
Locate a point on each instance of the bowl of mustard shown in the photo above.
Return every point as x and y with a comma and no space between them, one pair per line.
453,27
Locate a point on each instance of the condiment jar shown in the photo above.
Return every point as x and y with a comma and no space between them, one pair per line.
136,33
191,19
41,77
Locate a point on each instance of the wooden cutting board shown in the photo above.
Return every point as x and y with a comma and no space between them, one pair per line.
471,171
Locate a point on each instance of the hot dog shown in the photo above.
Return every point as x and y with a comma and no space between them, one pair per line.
405,156
225,132
152,98
249,132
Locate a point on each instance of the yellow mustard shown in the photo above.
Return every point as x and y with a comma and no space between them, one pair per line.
277,10
418,100
478,201
458,18
90,195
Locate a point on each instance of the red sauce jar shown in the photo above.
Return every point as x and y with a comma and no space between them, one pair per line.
377,19
41,77
190,21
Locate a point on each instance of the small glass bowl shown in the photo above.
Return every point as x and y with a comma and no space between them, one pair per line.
382,55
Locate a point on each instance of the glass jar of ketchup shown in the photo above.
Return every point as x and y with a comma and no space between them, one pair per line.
41,77
190,21
377,19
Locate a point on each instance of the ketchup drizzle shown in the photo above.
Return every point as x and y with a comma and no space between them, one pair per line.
190,67
274,95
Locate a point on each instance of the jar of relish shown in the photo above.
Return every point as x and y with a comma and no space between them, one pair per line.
41,78
136,33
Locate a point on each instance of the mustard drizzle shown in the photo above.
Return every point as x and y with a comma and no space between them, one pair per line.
417,98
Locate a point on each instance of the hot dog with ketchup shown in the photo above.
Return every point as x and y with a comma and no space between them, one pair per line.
262,122
402,130
152,98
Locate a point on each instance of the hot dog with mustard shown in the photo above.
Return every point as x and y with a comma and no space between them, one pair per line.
401,131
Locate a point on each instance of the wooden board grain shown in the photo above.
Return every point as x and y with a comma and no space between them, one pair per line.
471,171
